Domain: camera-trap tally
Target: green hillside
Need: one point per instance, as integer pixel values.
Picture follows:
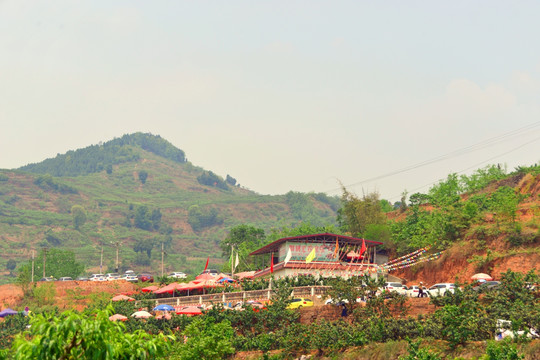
(136, 193)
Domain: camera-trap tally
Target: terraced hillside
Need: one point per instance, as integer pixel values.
(135, 196)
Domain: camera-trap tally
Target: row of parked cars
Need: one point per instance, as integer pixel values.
(129, 275)
(437, 289)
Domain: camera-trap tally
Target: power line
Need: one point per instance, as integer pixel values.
(471, 148)
(474, 166)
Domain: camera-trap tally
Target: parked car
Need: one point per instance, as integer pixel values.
(487, 286)
(97, 277)
(440, 289)
(413, 291)
(47, 278)
(112, 276)
(145, 277)
(177, 275)
(130, 278)
(396, 287)
(211, 271)
(82, 278)
(65, 278)
(299, 302)
(129, 272)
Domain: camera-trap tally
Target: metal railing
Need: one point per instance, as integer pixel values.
(234, 297)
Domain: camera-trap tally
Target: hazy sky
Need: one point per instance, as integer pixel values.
(281, 95)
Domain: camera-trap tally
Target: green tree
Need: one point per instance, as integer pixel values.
(76, 336)
(143, 218)
(143, 175)
(144, 245)
(207, 340)
(79, 216)
(358, 213)
(11, 265)
(109, 169)
(244, 239)
(58, 263)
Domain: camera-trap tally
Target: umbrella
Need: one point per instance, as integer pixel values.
(7, 312)
(141, 314)
(481, 276)
(116, 317)
(189, 310)
(164, 307)
(149, 288)
(122, 298)
(225, 279)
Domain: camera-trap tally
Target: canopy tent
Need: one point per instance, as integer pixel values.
(117, 317)
(149, 289)
(481, 276)
(167, 289)
(245, 275)
(8, 312)
(122, 298)
(206, 276)
(190, 311)
(164, 307)
(141, 315)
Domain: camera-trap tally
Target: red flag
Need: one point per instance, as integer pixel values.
(364, 248)
(206, 266)
(272, 264)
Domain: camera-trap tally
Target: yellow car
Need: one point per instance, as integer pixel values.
(299, 302)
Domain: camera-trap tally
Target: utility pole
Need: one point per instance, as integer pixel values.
(101, 261)
(32, 265)
(117, 249)
(232, 261)
(162, 259)
(44, 259)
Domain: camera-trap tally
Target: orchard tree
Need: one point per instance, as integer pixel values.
(71, 335)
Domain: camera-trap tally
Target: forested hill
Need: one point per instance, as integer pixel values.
(137, 192)
(96, 158)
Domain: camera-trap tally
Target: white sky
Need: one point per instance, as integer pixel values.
(281, 95)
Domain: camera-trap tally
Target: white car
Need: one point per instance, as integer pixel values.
(97, 277)
(177, 275)
(440, 289)
(413, 291)
(112, 276)
(396, 287)
(130, 278)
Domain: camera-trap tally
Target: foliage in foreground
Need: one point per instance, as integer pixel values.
(75, 336)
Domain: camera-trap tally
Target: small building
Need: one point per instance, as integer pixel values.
(332, 256)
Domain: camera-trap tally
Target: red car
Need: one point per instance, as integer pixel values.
(145, 278)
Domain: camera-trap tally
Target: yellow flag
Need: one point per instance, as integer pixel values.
(311, 256)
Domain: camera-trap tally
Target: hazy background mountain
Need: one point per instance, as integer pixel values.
(137, 192)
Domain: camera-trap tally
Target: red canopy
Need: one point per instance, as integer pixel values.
(122, 297)
(167, 289)
(150, 288)
(206, 276)
(245, 275)
(190, 311)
